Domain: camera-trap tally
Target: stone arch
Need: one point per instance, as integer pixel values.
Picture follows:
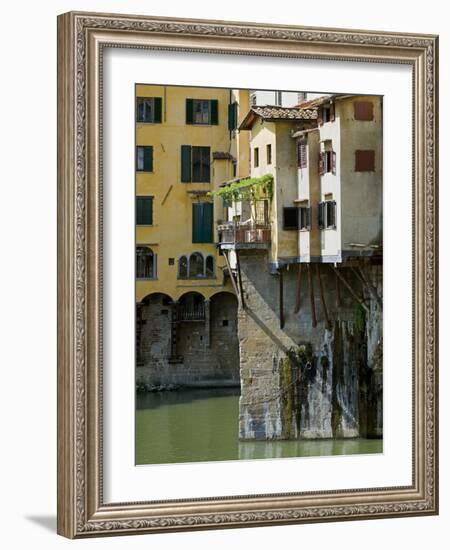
(224, 332)
(154, 315)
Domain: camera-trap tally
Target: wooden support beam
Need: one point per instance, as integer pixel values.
(233, 282)
(298, 297)
(372, 290)
(338, 291)
(350, 289)
(281, 297)
(241, 288)
(322, 298)
(311, 297)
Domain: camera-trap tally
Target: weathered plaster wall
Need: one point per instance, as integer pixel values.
(362, 196)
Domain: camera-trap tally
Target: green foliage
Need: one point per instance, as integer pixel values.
(249, 189)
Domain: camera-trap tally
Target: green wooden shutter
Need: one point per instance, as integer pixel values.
(158, 109)
(232, 116)
(214, 111)
(148, 158)
(189, 111)
(202, 222)
(144, 210)
(186, 163)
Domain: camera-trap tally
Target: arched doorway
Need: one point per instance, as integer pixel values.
(153, 332)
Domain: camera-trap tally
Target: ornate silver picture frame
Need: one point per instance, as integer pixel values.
(82, 509)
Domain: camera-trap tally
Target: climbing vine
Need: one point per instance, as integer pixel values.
(247, 190)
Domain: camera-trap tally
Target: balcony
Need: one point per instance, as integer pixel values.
(244, 235)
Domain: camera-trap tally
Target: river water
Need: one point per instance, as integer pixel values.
(202, 425)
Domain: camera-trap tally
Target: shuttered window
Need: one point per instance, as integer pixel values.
(232, 116)
(144, 210)
(365, 161)
(149, 109)
(202, 111)
(363, 110)
(327, 215)
(202, 222)
(144, 158)
(304, 218)
(301, 154)
(326, 114)
(195, 164)
(327, 162)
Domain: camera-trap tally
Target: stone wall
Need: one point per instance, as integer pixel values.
(206, 352)
(305, 381)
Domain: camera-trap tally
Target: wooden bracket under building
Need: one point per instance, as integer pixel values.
(281, 297)
(298, 290)
(322, 298)
(233, 280)
(311, 297)
(350, 289)
(241, 288)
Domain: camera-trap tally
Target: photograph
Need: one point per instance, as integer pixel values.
(258, 274)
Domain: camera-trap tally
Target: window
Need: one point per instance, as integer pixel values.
(327, 215)
(232, 116)
(304, 218)
(195, 164)
(269, 153)
(327, 162)
(290, 218)
(297, 218)
(365, 161)
(326, 114)
(301, 154)
(196, 266)
(209, 267)
(363, 110)
(183, 267)
(144, 210)
(202, 222)
(144, 158)
(148, 109)
(145, 263)
(256, 157)
(202, 111)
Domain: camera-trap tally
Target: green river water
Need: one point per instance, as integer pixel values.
(202, 425)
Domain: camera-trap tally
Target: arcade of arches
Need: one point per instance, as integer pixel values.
(189, 342)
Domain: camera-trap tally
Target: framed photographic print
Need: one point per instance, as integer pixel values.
(247, 274)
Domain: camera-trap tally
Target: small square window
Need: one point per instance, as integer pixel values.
(171, 261)
(225, 323)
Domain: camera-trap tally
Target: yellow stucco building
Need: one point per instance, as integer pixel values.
(187, 144)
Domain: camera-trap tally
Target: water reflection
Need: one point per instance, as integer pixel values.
(202, 425)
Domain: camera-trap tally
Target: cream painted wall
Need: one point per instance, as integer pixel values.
(330, 185)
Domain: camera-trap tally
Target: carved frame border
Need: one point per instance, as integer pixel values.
(81, 38)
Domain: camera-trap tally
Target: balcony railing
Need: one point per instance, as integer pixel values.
(191, 313)
(244, 233)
